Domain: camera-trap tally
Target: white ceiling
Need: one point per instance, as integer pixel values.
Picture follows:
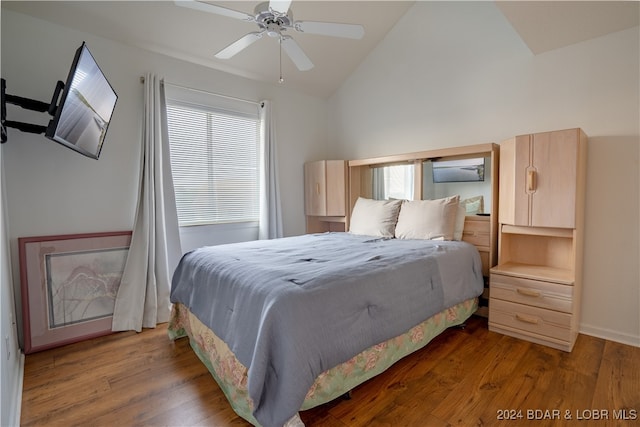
(548, 25)
(194, 36)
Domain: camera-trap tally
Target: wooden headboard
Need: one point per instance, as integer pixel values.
(481, 231)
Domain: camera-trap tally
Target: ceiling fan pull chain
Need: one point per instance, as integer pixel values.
(280, 44)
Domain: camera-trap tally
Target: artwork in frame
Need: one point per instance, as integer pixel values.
(69, 285)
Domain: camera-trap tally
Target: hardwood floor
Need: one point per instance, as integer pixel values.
(464, 377)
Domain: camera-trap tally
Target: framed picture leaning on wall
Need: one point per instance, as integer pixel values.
(69, 285)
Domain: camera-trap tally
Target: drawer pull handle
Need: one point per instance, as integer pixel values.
(526, 319)
(528, 292)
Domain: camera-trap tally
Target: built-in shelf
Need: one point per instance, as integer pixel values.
(538, 231)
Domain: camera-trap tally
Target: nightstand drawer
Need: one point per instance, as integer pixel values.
(532, 319)
(549, 295)
(477, 232)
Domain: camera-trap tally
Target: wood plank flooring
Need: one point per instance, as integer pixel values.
(467, 377)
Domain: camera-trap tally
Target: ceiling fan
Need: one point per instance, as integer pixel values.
(274, 18)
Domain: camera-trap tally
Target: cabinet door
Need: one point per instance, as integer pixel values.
(336, 187)
(315, 189)
(538, 179)
(514, 198)
(554, 160)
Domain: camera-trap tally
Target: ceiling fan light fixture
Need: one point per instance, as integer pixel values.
(274, 30)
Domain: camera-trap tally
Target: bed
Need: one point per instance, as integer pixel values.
(287, 324)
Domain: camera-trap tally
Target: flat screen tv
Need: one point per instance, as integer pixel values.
(465, 170)
(82, 117)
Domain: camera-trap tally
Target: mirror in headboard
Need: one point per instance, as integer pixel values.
(468, 177)
(392, 181)
(410, 176)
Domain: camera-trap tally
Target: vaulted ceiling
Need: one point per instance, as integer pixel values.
(191, 35)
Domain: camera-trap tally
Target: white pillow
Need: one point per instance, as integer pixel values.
(428, 219)
(374, 217)
(458, 229)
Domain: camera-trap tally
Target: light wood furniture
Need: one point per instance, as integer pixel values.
(481, 231)
(477, 231)
(130, 378)
(536, 286)
(325, 195)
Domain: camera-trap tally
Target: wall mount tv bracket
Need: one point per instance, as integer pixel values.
(27, 104)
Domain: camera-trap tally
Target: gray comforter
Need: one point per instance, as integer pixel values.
(292, 308)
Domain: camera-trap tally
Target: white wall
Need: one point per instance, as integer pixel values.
(11, 359)
(53, 190)
(456, 73)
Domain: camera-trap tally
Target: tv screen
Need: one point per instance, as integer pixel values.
(458, 170)
(88, 100)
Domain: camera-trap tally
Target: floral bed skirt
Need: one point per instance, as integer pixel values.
(231, 375)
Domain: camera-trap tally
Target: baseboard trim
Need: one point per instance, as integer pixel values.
(611, 335)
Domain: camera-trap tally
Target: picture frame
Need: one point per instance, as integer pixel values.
(68, 286)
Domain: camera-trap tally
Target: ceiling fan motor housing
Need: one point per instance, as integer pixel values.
(272, 21)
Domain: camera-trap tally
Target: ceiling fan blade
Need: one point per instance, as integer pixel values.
(299, 58)
(350, 31)
(280, 6)
(212, 8)
(239, 45)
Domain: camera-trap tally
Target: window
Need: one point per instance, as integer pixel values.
(215, 156)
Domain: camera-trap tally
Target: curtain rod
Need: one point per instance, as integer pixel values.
(207, 92)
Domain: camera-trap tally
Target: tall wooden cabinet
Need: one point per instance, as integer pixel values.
(538, 180)
(325, 195)
(536, 286)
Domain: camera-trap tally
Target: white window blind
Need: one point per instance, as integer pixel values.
(215, 163)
